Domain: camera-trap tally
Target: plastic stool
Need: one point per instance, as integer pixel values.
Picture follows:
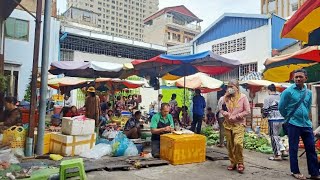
(70, 164)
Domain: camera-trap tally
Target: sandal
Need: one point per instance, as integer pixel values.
(298, 176)
(220, 145)
(285, 154)
(275, 158)
(240, 168)
(231, 167)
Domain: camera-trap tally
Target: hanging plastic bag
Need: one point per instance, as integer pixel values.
(131, 150)
(98, 151)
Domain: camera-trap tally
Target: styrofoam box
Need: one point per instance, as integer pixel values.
(256, 111)
(67, 145)
(71, 126)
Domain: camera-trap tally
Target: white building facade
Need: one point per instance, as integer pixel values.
(19, 43)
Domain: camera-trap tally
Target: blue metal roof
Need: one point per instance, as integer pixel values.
(277, 42)
(230, 24)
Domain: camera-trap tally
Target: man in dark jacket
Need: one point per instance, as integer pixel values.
(198, 111)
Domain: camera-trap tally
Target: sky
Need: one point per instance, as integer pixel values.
(207, 10)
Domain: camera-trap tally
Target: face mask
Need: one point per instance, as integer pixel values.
(231, 91)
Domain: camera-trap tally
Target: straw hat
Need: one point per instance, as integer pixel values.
(91, 89)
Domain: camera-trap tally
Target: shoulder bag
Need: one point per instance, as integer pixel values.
(285, 125)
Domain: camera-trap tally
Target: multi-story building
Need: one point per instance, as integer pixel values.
(171, 26)
(121, 18)
(80, 18)
(282, 8)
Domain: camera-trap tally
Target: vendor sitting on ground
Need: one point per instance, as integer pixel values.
(12, 114)
(132, 128)
(161, 123)
(72, 112)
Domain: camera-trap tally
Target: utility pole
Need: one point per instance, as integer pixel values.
(44, 76)
(33, 102)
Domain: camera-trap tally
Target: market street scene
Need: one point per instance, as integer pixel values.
(159, 89)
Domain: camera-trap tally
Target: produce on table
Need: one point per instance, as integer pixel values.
(251, 141)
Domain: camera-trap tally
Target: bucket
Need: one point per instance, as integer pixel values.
(139, 147)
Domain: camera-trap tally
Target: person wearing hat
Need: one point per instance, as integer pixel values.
(92, 105)
(235, 107)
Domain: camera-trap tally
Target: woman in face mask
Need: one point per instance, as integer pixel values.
(234, 109)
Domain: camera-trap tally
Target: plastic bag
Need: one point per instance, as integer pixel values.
(110, 134)
(216, 125)
(131, 150)
(98, 151)
(120, 144)
(8, 156)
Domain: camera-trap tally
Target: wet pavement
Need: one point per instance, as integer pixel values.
(257, 167)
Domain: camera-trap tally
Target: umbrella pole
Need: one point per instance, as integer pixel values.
(184, 90)
(184, 96)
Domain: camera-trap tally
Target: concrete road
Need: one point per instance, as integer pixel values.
(257, 167)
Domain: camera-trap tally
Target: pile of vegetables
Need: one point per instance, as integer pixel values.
(251, 140)
(212, 136)
(257, 143)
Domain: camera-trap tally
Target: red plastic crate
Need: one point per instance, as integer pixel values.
(25, 116)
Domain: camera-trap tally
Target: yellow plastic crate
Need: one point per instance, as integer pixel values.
(46, 141)
(183, 149)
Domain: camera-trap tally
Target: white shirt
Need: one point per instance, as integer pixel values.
(68, 103)
(157, 105)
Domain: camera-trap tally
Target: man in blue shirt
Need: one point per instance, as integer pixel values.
(198, 111)
(299, 124)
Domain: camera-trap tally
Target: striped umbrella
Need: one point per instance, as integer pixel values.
(280, 68)
(304, 22)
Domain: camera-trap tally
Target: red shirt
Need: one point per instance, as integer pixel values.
(71, 114)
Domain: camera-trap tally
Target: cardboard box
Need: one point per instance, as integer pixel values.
(72, 126)
(256, 112)
(67, 145)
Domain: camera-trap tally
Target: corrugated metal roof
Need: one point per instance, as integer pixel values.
(229, 24)
(278, 42)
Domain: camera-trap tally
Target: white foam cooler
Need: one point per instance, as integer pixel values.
(67, 145)
(77, 126)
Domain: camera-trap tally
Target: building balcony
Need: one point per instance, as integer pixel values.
(173, 41)
(182, 25)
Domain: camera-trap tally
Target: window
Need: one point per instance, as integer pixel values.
(230, 46)
(294, 6)
(67, 55)
(247, 68)
(17, 29)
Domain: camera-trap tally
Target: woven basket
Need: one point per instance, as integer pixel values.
(15, 136)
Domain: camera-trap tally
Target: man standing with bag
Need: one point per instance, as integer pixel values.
(295, 105)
